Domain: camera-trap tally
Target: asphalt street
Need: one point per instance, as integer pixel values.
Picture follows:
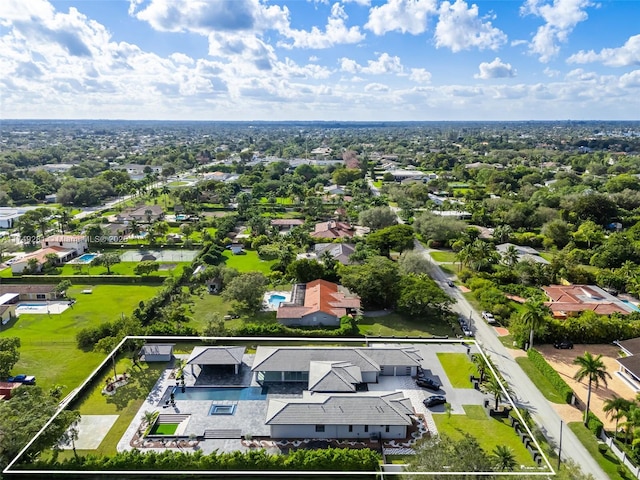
(526, 393)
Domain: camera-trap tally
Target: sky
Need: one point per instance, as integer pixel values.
(345, 60)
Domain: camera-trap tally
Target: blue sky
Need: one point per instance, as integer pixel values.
(320, 59)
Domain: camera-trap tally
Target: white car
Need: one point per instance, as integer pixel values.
(489, 317)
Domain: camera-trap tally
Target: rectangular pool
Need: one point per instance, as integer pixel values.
(219, 393)
(86, 258)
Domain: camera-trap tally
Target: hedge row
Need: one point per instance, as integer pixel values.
(328, 459)
(594, 424)
(348, 327)
(550, 374)
(85, 279)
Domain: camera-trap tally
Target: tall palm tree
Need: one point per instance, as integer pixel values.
(594, 370)
(533, 317)
(502, 233)
(496, 388)
(511, 256)
(480, 365)
(64, 217)
(616, 408)
(503, 458)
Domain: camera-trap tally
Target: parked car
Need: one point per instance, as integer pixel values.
(564, 345)
(23, 378)
(451, 284)
(434, 400)
(490, 319)
(426, 382)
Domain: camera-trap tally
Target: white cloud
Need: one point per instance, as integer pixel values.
(560, 18)
(383, 65)
(364, 3)
(460, 28)
(495, 69)
(313, 58)
(630, 80)
(625, 56)
(402, 16)
(420, 75)
(376, 87)
(181, 58)
(551, 73)
(335, 33)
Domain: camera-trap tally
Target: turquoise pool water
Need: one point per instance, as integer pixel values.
(633, 307)
(219, 393)
(276, 300)
(86, 258)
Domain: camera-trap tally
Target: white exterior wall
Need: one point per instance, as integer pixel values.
(337, 431)
(18, 267)
(80, 245)
(370, 377)
(313, 320)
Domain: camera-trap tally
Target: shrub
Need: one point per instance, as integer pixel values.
(547, 371)
(594, 424)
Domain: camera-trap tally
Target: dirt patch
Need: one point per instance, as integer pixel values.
(502, 332)
(562, 362)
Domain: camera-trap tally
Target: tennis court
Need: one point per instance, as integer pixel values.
(159, 255)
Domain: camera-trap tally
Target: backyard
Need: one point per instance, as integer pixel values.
(398, 325)
(48, 342)
(248, 261)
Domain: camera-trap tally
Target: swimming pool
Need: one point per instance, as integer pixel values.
(219, 393)
(275, 300)
(86, 258)
(633, 306)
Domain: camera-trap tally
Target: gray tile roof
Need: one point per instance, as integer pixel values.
(297, 359)
(216, 356)
(366, 408)
(333, 377)
(393, 355)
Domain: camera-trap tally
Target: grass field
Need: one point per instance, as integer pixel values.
(489, 432)
(458, 367)
(449, 268)
(48, 342)
(607, 461)
(540, 381)
(443, 256)
(247, 262)
(164, 429)
(124, 268)
(398, 325)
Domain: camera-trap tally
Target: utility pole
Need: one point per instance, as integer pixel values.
(560, 447)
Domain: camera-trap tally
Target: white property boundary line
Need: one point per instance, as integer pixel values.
(362, 340)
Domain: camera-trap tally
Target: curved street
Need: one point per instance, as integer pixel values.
(526, 393)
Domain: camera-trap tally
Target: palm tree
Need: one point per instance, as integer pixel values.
(511, 256)
(64, 217)
(616, 408)
(465, 255)
(503, 458)
(502, 233)
(480, 364)
(496, 388)
(533, 317)
(593, 369)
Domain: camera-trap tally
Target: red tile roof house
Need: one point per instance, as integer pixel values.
(569, 300)
(317, 304)
(333, 229)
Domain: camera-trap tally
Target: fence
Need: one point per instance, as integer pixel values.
(635, 469)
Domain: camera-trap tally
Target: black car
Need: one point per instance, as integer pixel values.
(434, 400)
(451, 284)
(564, 345)
(425, 382)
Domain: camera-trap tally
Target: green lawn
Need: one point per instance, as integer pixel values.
(398, 325)
(444, 256)
(125, 402)
(607, 461)
(164, 429)
(489, 432)
(48, 348)
(124, 268)
(449, 268)
(279, 200)
(540, 381)
(458, 368)
(247, 262)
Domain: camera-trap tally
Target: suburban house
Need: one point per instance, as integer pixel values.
(338, 251)
(63, 255)
(348, 365)
(567, 300)
(69, 242)
(364, 415)
(336, 402)
(143, 214)
(630, 364)
(333, 229)
(524, 253)
(318, 303)
(286, 224)
(7, 310)
(30, 292)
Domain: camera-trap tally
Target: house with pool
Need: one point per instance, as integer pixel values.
(317, 304)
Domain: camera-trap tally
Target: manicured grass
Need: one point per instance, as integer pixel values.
(489, 432)
(48, 342)
(398, 325)
(540, 381)
(279, 200)
(449, 268)
(125, 402)
(164, 429)
(607, 461)
(547, 256)
(458, 367)
(124, 268)
(247, 262)
(444, 256)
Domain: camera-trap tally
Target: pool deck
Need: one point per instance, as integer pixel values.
(269, 307)
(43, 308)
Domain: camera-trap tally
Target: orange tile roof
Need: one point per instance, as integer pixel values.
(320, 296)
(579, 298)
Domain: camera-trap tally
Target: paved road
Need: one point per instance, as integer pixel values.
(526, 392)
